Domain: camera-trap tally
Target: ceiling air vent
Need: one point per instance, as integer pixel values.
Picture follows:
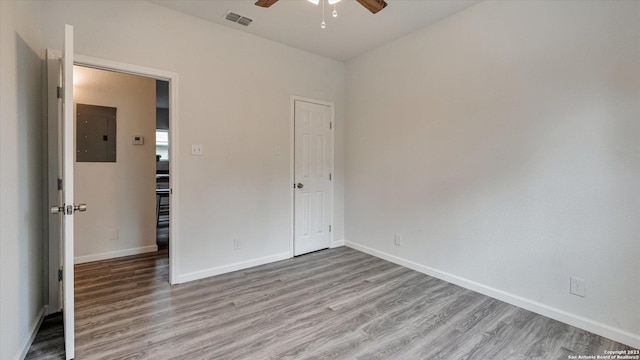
(244, 21)
(237, 18)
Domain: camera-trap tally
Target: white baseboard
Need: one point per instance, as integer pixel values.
(114, 254)
(35, 326)
(338, 243)
(595, 327)
(197, 275)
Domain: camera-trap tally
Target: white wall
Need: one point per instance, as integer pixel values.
(234, 99)
(21, 245)
(503, 144)
(120, 195)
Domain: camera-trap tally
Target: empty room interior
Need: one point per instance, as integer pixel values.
(297, 179)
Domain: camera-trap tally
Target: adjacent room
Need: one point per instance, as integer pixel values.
(163, 147)
(301, 179)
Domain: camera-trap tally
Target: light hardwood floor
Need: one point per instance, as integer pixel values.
(332, 304)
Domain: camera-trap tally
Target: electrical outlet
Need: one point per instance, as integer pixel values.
(114, 234)
(196, 149)
(397, 240)
(236, 244)
(577, 287)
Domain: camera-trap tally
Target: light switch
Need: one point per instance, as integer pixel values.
(196, 149)
(138, 140)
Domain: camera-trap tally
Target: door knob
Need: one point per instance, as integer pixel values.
(57, 209)
(60, 209)
(300, 185)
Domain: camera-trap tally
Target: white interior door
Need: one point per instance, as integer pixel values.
(313, 162)
(68, 207)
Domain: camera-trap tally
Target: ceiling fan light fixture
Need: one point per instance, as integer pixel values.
(372, 5)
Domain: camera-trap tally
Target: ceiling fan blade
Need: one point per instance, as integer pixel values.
(373, 5)
(266, 3)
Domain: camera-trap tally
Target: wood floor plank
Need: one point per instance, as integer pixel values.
(333, 304)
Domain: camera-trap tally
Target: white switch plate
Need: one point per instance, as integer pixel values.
(236, 244)
(577, 287)
(196, 149)
(114, 234)
(137, 140)
(397, 240)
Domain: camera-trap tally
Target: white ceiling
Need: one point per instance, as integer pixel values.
(297, 22)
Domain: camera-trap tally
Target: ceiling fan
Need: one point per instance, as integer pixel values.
(372, 5)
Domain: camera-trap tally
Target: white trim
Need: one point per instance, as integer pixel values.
(292, 175)
(595, 327)
(35, 326)
(172, 78)
(292, 169)
(197, 275)
(115, 254)
(104, 64)
(174, 268)
(337, 243)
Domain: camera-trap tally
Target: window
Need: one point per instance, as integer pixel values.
(162, 144)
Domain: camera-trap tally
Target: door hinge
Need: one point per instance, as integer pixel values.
(329, 176)
(330, 126)
(59, 184)
(59, 274)
(329, 228)
(59, 92)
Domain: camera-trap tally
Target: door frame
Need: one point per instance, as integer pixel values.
(292, 168)
(172, 78)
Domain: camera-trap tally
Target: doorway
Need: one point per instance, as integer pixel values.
(172, 80)
(163, 150)
(115, 167)
(312, 175)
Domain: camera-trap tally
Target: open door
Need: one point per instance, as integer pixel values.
(68, 207)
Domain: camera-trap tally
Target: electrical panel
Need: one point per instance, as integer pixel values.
(95, 133)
